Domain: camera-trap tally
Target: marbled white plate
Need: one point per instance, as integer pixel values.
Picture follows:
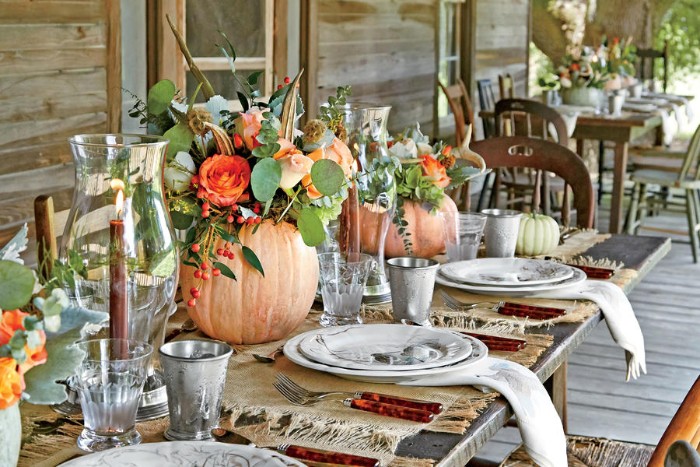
(505, 272)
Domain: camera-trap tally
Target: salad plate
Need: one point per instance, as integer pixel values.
(505, 291)
(292, 352)
(506, 272)
(387, 347)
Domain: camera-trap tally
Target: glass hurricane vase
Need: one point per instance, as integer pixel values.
(104, 166)
(376, 189)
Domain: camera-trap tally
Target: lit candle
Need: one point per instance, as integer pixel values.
(118, 305)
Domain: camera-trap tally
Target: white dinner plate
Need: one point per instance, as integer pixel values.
(384, 347)
(185, 453)
(578, 277)
(291, 351)
(505, 272)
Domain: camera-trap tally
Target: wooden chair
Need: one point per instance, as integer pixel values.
(506, 86)
(524, 117)
(597, 452)
(463, 112)
(486, 102)
(461, 107)
(47, 223)
(542, 155)
(687, 179)
(646, 66)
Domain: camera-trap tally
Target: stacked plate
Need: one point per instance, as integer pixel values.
(515, 277)
(384, 353)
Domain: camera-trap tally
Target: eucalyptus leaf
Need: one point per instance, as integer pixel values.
(327, 176)
(180, 137)
(311, 228)
(181, 221)
(15, 246)
(16, 285)
(160, 96)
(265, 179)
(252, 259)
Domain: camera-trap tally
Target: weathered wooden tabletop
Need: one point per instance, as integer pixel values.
(639, 253)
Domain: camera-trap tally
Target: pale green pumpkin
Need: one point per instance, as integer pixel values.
(538, 235)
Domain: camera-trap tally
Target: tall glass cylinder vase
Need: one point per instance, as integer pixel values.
(118, 179)
(376, 189)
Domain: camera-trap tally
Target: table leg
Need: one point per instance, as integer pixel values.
(618, 187)
(556, 387)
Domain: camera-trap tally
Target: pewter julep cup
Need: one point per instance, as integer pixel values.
(412, 281)
(501, 232)
(109, 381)
(195, 373)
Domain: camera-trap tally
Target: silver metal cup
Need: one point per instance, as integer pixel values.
(501, 232)
(195, 373)
(412, 281)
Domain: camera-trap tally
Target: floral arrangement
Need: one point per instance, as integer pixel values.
(585, 70)
(426, 172)
(37, 331)
(229, 170)
(622, 55)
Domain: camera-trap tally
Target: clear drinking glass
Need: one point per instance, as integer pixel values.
(463, 232)
(110, 380)
(195, 375)
(343, 280)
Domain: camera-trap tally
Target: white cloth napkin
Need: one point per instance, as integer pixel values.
(538, 421)
(619, 316)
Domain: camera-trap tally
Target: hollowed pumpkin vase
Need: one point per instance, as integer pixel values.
(254, 309)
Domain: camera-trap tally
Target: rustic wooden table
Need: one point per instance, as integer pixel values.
(638, 253)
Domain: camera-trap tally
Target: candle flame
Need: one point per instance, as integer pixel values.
(119, 204)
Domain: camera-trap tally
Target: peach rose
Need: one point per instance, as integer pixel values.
(433, 169)
(295, 165)
(11, 383)
(223, 179)
(248, 126)
(13, 321)
(337, 151)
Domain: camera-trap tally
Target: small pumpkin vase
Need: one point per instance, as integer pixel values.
(254, 309)
(426, 230)
(11, 435)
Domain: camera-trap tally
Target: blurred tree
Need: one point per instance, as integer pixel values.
(681, 27)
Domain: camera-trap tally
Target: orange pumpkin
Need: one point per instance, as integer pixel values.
(426, 231)
(255, 309)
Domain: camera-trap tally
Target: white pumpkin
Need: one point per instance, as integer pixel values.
(538, 235)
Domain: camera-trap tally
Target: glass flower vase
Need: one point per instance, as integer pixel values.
(376, 189)
(106, 165)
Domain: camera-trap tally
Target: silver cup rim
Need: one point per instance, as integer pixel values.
(227, 353)
(501, 212)
(431, 263)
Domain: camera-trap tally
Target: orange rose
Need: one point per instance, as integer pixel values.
(248, 126)
(223, 179)
(433, 169)
(11, 383)
(295, 165)
(13, 321)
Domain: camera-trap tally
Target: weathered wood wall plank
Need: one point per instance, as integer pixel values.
(59, 76)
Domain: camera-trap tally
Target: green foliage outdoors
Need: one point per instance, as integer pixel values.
(681, 27)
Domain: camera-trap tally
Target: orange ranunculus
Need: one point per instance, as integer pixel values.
(13, 321)
(223, 179)
(295, 165)
(433, 169)
(11, 383)
(248, 126)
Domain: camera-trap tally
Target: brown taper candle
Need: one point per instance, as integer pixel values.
(118, 304)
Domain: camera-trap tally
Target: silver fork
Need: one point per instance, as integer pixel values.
(302, 396)
(456, 304)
